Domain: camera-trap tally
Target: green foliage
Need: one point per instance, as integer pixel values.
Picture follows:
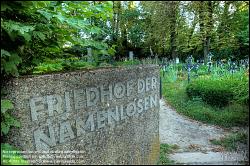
(166, 149)
(11, 156)
(15, 29)
(9, 61)
(60, 65)
(232, 115)
(32, 32)
(226, 29)
(128, 62)
(219, 92)
(232, 141)
(47, 68)
(7, 120)
(171, 74)
(6, 105)
(213, 92)
(203, 70)
(241, 91)
(71, 64)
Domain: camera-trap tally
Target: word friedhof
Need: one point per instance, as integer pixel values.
(55, 105)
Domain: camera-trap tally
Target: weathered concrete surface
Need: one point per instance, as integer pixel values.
(193, 137)
(180, 130)
(100, 116)
(208, 158)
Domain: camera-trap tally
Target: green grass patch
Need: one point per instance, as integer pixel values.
(232, 115)
(232, 141)
(166, 149)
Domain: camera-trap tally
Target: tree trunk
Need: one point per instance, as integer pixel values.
(205, 48)
(222, 29)
(118, 17)
(203, 29)
(209, 28)
(192, 31)
(173, 17)
(113, 22)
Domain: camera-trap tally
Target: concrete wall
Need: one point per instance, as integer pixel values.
(100, 116)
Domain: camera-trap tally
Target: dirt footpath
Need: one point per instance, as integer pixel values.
(193, 137)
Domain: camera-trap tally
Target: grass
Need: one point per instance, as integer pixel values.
(166, 149)
(232, 141)
(229, 116)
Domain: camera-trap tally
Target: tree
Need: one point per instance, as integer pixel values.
(35, 31)
(173, 11)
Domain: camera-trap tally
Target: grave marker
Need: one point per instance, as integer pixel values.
(131, 55)
(89, 54)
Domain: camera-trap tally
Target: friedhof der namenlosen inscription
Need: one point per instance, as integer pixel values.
(100, 116)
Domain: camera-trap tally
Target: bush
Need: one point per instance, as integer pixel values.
(128, 62)
(217, 92)
(241, 92)
(235, 114)
(56, 65)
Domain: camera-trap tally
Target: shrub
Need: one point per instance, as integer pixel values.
(128, 62)
(7, 120)
(241, 92)
(56, 65)
(217, 92)
(234, 114)
(9, 154)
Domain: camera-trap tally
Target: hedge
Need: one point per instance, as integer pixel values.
(219, 92)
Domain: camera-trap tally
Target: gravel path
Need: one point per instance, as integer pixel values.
(193, 137)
